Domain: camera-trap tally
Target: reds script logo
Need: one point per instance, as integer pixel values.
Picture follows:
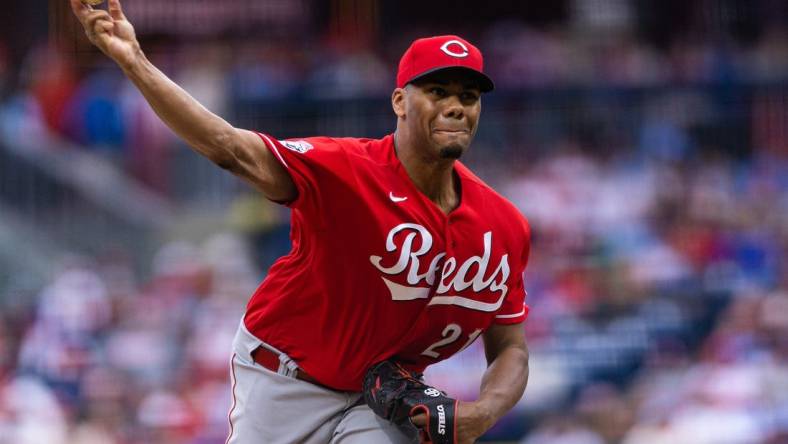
(451, 278)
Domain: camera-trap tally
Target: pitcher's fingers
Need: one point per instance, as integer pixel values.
(94, 16)
(115, 10)
(419, 420)
(102, 39)
(103, 26)
(81, 10)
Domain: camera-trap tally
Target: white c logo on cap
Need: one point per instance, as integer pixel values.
(445, 48)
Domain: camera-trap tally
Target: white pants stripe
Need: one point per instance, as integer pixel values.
(232, 390)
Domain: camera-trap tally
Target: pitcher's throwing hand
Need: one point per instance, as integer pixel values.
(109, 30)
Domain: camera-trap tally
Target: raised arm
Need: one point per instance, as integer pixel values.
(240, 151)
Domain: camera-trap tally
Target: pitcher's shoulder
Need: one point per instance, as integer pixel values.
(377, 150)
(494, 204)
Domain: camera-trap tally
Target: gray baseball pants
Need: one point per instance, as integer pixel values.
(274, 408)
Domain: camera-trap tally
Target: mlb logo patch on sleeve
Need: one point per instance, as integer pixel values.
(299, 146)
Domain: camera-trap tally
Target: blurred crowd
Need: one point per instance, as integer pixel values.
(658, 280)
(663, 287)
(101, 358)
(59, 93)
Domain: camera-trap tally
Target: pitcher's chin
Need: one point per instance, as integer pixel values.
(452, 151)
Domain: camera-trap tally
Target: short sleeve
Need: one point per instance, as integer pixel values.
(514, 309)
(315, 164)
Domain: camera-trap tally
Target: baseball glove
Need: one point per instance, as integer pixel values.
(396, 394)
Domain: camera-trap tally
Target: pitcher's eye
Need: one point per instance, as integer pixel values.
(469, 97)
(438, 91)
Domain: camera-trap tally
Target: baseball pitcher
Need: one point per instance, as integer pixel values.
(401, 257)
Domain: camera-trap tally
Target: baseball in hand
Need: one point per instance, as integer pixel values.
(92, 2)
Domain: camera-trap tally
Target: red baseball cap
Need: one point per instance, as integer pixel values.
(432, 54)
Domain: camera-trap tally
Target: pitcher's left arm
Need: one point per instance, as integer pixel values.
(502, 386)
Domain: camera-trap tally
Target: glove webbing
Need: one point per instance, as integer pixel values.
(396, 394)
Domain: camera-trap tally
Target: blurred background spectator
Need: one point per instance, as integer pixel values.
(647, 142)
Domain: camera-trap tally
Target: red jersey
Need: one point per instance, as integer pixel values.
(379, 271)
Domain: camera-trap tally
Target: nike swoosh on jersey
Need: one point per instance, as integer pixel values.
(396, 198)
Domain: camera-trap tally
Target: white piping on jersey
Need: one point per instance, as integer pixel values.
(509, 316)
(274, 148)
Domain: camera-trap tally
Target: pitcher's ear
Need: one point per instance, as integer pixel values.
(398, 101)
